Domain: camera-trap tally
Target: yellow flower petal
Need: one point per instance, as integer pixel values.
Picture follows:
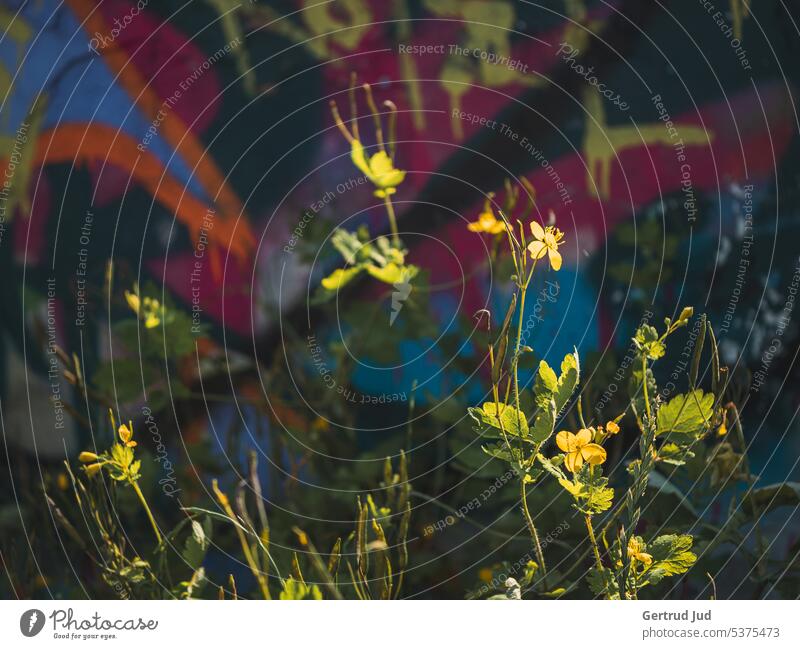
(555, 259)
(593, 453)
(537, 230)
(125, 433)
(537, 249)
(566, 441)
(612, 428)
(359, 159)
(550, 239)
(584, 436)
(133, 301)
(573, 461)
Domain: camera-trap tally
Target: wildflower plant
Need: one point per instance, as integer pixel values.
(121, 465)
(684, 445)
(384, 258)
(524, 437)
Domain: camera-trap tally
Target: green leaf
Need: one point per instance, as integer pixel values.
(647, 341)
(546, 381)
(350, 246)
(515, 422)
(671, 556)
(765, 499)
(591, 491)
(603, 583)
(595, 499)
(551, 394)
(568, 381)
(197, 543)
(502, 452)
(671, 453)
(686, 414)
(293, 590)
(543, 422)
(552, 466)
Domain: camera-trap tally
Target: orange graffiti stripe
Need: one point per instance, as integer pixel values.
(74, 143)
(175, 132)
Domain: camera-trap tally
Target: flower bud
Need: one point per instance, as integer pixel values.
(92, 469)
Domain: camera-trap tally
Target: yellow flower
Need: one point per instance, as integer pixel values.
(487, 221)
(152, 313)
(148, 308)
(547, 241)
(637, 553)
(722, 430)
(612, 428)
(133, 301)
(579, 449)
(62, 481)
(126, 434)
(379, 169)
(87, 456)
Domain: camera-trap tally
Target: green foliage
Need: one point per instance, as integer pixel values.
(381, 259)
(568, 381)
(295, 590)
(686, 415)
(590, 490)
(765, 499)
(602, 582)
(510, 421)
(197, 543)
(551, 394)
(649, 343)
(672, 556)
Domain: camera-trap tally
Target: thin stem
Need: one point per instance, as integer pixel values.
(375, 116)
(392, 220)
(537, 546)
(760, 543)
(146, 509)
(593, 540)
(248, 555)
(644, 388)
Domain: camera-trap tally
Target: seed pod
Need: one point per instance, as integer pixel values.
(698, 351)
(502, 341)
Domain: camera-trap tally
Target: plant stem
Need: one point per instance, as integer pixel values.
(751, 481)
(644, 388)
(594, 542)
(537, 546)
(146, 509)
(248, 555)
(392, 220)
